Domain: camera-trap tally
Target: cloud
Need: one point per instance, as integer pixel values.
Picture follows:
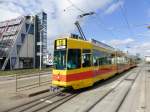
(144, 34)
(114, 7)
(60, 21)
(6, 15)
(125, 42)
(148, 51)
(142, 48)
(132, 46)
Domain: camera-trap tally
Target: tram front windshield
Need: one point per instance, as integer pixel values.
(73, 59)
(60, 59)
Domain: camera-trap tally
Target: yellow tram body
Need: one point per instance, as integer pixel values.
(88, 67)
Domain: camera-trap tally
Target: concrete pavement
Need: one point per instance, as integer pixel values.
(10, 98)
(120, 93)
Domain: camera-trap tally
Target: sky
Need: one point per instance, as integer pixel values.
(119, 23)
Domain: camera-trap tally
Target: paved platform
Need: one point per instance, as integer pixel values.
(10, 98)
(131, 95)
(126, 92)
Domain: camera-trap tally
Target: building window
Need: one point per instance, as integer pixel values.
(18, 48)
(31, 30)
(22, 37)
(38, 48)
(74, 59)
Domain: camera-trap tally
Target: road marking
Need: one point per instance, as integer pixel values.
(41, 100)
(48, 101)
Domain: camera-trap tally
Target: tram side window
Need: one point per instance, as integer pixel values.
(109, 59)
(101, 58)
(95, 61)
(86, 58)
(113, 59)
(74, 59)
(104, 60)
(96, 55)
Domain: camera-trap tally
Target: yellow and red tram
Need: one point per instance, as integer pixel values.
(79, 63)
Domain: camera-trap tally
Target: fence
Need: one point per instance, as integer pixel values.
(24, 82)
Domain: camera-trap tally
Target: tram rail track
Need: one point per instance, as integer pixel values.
(133, 81)
(89, 109)
(31, 102)
(53, 100)
(55, 104)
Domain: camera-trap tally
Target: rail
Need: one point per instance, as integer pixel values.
(24, 82)
(47, 103)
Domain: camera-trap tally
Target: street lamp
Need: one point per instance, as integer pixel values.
(41, 29)
(1, 58)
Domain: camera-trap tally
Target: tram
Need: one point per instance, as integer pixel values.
(80, 63)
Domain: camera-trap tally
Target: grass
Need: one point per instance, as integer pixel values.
(24, 71)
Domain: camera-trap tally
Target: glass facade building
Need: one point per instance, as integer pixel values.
(23, 42)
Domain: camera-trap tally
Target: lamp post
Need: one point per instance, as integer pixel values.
(41, 29)
(1, 58)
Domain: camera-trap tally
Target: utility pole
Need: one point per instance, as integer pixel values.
(40, 51)
(41, 29)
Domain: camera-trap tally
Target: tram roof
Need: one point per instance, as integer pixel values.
(96, 43)
(101, 44)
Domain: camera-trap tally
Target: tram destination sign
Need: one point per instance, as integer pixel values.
(61, 44)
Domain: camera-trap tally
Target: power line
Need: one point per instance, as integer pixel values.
(76, 7)
(136, 25)
(100, 23)
(125, 18)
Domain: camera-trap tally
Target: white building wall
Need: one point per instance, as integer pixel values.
(27, 47)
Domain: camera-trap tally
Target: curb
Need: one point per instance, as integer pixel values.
(38, 92)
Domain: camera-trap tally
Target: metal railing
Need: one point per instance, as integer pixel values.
(24, 82)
